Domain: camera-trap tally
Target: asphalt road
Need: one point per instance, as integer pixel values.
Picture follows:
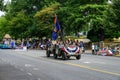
(34, 65)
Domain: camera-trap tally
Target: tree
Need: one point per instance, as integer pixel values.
(19, 25)
(112, 27)
(20, 15)
(1, 5)
(29, 8)
(45, 19)
(76, 15)
(3, 27)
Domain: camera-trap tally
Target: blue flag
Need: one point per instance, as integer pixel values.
(56, 29)
(54, 35)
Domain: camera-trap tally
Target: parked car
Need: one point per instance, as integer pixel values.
(4, 46)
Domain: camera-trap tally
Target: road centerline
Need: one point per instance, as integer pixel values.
(80, 66)
(86, 67)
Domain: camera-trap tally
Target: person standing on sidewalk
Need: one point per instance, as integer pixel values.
(96, 49)
(81, 45)
(27, 44)
(93, 48)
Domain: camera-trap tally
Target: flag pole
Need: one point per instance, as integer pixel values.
(62, 34)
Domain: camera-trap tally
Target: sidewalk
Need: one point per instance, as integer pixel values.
(117, 55)
(90, 52)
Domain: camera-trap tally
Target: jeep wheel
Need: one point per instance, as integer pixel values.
(78, 57)
(64, 56)
(55, 56)
(48, 53)
(68, 57)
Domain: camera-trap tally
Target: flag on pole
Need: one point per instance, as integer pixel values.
(54, 35)
(56, 28)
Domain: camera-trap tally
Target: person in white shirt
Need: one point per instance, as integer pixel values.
(93, 49)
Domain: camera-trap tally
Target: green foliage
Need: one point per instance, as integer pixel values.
(20, 16)
(34, 18)
(75, 18)
(112, 20)
(19, 25)
(3, 25)
(1, 5)
(96, 35)
(44, 19)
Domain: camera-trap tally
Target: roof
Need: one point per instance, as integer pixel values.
(84, 40)
(7, 36)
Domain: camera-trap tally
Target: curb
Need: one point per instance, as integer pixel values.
(117, 55)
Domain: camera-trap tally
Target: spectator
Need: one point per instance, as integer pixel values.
(27, 44)
(93, 48)
(12, 43)
(96, 49)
